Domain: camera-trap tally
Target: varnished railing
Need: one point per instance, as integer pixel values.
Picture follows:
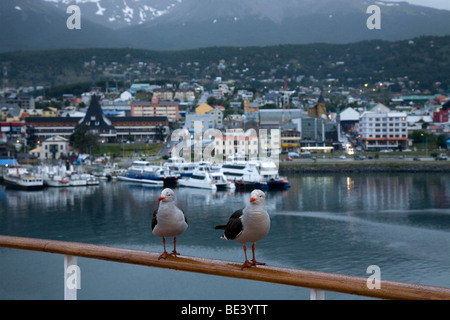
(316, 281)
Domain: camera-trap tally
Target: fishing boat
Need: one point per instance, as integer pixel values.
(56, 181)
(92, 180)
(21, 179)
(77, 180)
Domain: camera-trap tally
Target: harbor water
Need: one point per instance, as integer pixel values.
(339, 223)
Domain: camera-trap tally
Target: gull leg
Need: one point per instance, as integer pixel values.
(254, 262)
(174, 252)
(247, 263)
(165, 254)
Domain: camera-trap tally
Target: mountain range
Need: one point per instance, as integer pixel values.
(185, 24)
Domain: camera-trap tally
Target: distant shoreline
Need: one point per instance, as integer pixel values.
(368, 166)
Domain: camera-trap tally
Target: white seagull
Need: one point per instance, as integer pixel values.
(168, 221)
(250, 224)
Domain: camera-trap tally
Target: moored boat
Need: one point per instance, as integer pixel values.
(23, 180)
(244, 174)
(53, 180)
(155, 183)
(200, 179)
(269, 174)
(77, 180)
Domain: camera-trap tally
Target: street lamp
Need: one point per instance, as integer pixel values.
(424, 144)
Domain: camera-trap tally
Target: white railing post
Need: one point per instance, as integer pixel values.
(316, 294)
(71, 277)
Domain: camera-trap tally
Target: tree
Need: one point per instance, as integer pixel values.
(441, 141)
(83, 140)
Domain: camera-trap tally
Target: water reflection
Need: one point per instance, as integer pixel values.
(337, 223)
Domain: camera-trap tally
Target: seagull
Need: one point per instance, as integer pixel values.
(168, 221)
(249, 224)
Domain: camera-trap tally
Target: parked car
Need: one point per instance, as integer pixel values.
(289, 159)
(359, 157)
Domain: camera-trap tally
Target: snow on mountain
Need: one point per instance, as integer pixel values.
(120, 13)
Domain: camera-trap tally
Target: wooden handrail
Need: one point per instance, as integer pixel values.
(295, 277)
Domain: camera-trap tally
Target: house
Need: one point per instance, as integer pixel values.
(348, 119)
(155, 108)
(223, 88)
(251, 111)
(234, 121)
(4, 109)
(125, 96)
(245, 95)
(14, 114)
(415, 122)
(203, 108)
(24, 101)
(441, 116)
(163, 94)
(186, 95)
(217, 111)
(204, 121)
(49, 112)
(52, 148)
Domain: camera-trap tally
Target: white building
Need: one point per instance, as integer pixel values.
(52, 148)
(204, 121)
(381, 129)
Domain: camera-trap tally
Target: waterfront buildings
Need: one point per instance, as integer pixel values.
(381, 129)
(144, 128)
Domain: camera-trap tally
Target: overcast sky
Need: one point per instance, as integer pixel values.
(439, 4)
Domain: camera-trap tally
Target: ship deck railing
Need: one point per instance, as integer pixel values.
(318, 282)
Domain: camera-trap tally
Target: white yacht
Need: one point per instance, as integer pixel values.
(221, 181)
(244, 174)
(180, 167)
(268, 171)
(201, 178)
(146, 172)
